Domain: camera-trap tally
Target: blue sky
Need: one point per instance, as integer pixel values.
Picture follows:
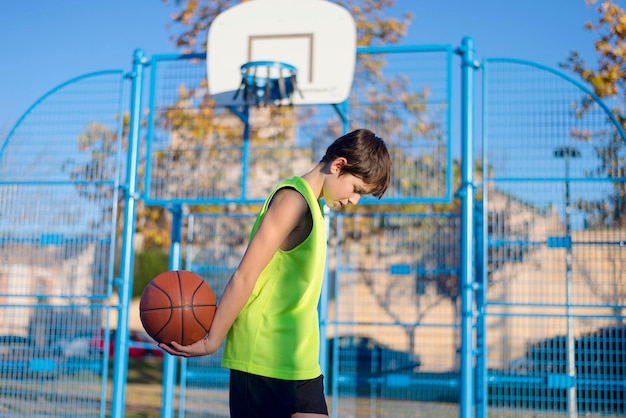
(45, 43)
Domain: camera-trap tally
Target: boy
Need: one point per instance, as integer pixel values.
(269, 306)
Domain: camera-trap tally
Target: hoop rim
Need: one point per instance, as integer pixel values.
(274, 64)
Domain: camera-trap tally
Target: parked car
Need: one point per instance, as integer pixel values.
(601, 353)
(21, 358)
(600, 368)
(141, 345)
(75, 347)
(9, 343)
(548, 355)
(365, 363)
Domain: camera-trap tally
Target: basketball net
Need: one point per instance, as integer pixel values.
(267, 83)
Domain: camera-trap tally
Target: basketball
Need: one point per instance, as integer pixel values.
(177, 306)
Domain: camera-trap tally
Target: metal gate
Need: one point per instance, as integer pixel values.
(59, 178)
(555, 252)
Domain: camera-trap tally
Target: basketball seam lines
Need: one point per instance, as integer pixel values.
(193, 305)
(170, 318)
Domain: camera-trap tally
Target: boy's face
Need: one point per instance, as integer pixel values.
(342, 189)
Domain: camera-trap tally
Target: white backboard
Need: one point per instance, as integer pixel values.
(316, 36)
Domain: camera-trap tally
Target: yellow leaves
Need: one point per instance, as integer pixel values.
(188, 12)
(614, 73)
(96, 136)
(182, 91)
(583, 135)
(607, 75)
(422, 128)
(380, 30)
(603, 46)
(601, 86)
(586, 74)
(154, 225)
(620, 27)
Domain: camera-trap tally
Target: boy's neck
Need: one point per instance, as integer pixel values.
(315, 178)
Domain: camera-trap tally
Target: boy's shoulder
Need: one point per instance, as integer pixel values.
(290, 197)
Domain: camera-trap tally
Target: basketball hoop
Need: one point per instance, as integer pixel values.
(267, 82)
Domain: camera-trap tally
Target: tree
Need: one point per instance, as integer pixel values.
(198, 129)
(101, 143)
(607, 78)
(374, 26)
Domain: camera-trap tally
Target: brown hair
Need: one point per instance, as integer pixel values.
(367, 156)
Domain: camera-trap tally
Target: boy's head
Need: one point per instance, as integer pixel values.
(367, 158)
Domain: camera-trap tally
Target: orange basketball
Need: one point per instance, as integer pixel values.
(177, 306)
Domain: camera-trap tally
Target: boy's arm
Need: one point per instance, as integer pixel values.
(283, 215)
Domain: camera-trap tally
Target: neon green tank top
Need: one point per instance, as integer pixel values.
(277, 332)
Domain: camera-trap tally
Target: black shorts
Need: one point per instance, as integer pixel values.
(253, 396)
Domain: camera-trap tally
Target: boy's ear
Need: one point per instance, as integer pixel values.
(337, 164)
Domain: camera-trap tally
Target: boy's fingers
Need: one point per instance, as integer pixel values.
(176, 346)
(168, 348)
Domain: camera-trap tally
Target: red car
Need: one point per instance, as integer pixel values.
(140, 346)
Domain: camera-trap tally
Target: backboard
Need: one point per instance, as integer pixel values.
(316, 37)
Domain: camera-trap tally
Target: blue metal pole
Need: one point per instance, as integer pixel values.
(169, 362)
(334, 384)
(245, 158)
(323, 307)
(342, 112)
(182, 396)
(480, 377)
(481, 267)
(120, 362)
(467, 222)
(244, 115)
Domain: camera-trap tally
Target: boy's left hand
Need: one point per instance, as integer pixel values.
(199, 348)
